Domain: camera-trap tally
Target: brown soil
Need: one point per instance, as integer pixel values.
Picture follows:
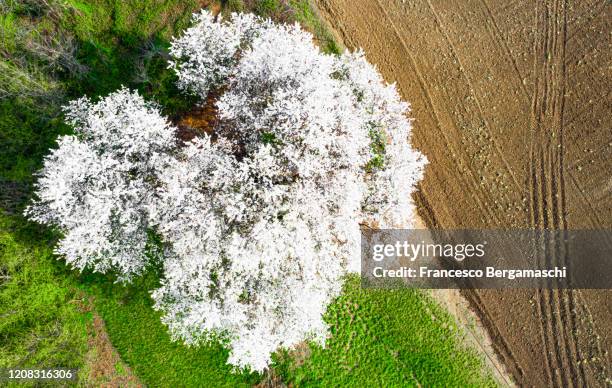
(103, 365)
(512, 106)
(201, 119)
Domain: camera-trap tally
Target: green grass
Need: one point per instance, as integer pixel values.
(378, 337)
(40, 321)
(288, 11)
(386, 337)
(143, 342)
(306, 16)
(120, 42)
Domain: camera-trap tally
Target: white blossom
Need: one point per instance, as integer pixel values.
(96, 186)
(206, 53)
(259, 242)
(260, 221)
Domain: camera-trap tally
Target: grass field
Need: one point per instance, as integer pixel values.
(40, 322)
(53, 51)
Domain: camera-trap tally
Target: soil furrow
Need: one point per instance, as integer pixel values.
(505, 45)
(466, 179)
(499, 342)
(453, 52)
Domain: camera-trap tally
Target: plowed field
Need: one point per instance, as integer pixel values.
(512, 107)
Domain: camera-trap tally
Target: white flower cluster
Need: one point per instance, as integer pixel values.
(204, 57)
(96, 186)
(261, 220)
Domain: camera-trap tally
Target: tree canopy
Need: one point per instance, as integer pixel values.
(259, 220)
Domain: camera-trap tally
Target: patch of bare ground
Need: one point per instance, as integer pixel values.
(512, 107)
(472, 332)
(103, 365)
(298, 355)
(199, 120)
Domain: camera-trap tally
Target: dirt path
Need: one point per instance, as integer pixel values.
(512, 106)
(103, 367)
